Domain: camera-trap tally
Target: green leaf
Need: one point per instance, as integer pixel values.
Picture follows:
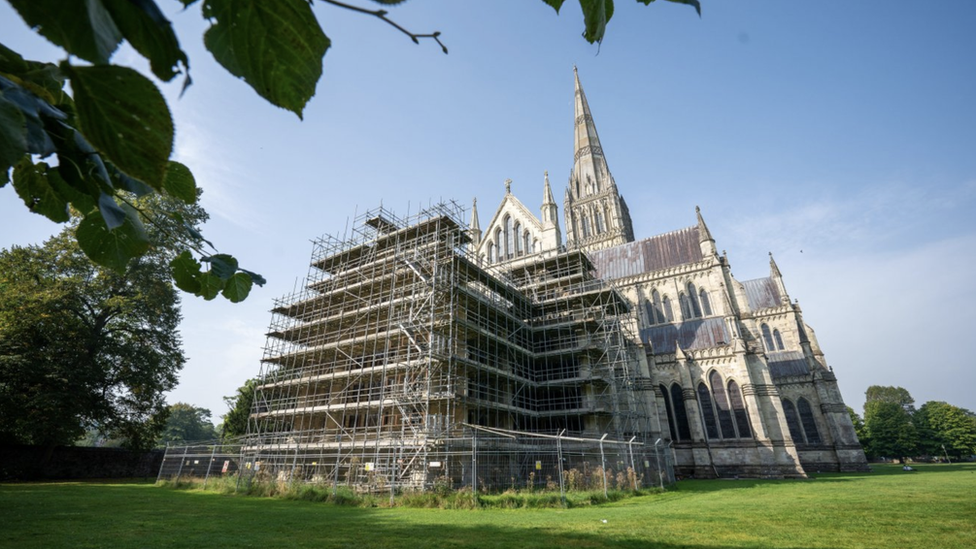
(186, 272)
(237, 288)
(112, 249)
(179, 183)
(222, 265)
(210, 285)
(31, 107)
(693, 3)
(255, 277)
(556, 4)
(276, 47)
(150, 33)
(83, 28)
(13, 137)
(596, 14)
(31, 183)
(112, 214)
(123, 114)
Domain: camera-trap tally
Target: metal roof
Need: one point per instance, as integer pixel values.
(700, 333)
(651, 254)
(787, 363)
(762, 293)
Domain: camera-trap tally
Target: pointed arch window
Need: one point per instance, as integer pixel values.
(767, 337)
(527, 243)
(584, 226)
(693, 302)
(491, 251)
(739, 410)
(599, 222)
(668, 313)
(498, 243)
(707, 411)
(778, 339)
(656, 307)
(535, 245)
(808, 422)
(680, 412)
(793, 422)
(667, 407)
(685, 309)
(725, 422)
(519, 250)
(706, 304)
(508, 237)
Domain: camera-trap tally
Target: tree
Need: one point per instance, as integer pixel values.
(894, 395)
(186, 423)
(83, 346)
(946, 429)
(858, 424)
(114, 137)
(235, 420)
(890, 430)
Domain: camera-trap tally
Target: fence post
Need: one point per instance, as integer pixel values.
(630, 447)
(207, 477)
(162, 464)
(603, 467)
(182, 461)
(657, 459)
(559, 457)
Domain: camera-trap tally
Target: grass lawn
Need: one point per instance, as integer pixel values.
(933, 507)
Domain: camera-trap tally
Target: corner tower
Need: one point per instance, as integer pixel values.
(596, 215)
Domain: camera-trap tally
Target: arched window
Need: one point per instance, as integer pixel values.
(793, 422)
(517, 238)
(808, 421)
(685, 309)
(767, 338)
(668, 313)
(680, 412)
(667, 407)
(527, 241)
(706, 305)
(491, 251)
(739, 410)
(535, 245)
(693, 302)
(584, 226)
(722, 405)
(707, 412)
(498, 243)
(778, 339)
(656, 307)
(599, 222)
(508, 237)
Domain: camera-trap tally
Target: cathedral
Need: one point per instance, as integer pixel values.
(740, 383)
(429, 350)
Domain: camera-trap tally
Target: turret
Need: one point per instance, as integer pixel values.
(551, 235)
(706, 241)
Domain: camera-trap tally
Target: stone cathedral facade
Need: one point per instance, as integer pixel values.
(734, 379)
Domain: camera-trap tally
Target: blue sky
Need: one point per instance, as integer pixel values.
(841, 136)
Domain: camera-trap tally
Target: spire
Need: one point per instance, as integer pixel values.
(475, 227)
(679, 355)
(705, 236)
(547, 192)
(586, 142)
(508, 186)
(773, 268)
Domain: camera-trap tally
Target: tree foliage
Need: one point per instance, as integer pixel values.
(893, 395)
(114, 137)
(946, 429)
(235, 420)
(890, 430)
(187, 423)
(87, 347)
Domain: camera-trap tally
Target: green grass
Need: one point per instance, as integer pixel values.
(933, 507)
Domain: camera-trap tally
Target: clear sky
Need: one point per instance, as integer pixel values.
(841, 136)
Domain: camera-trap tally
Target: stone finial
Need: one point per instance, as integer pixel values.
(508, 186)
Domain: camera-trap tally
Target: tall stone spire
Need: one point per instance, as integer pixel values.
(777, 278)
(474, 228)
(705, 236)
(596, 215)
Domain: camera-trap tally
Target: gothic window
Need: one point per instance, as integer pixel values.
(706, 305)
(808, 421)
(498, 244)
(692, 302)
(778, 339)
(508, 237)
(683, 304)
(584, 226)
(491, 251)
(535, 245)
(527, 243)
(793, 422)
(656, 308)
(668, 313)
(599, 222)
(667, 407)
(707, 411)
(517, 238)
(767, 338)
(722, 405)
(739, 410)
(680, 412)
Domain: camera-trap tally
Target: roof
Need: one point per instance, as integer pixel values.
(762, 293)
(700, 333)
(651, 254)
(787, 363)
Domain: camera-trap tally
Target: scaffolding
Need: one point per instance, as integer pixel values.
(404, 362)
